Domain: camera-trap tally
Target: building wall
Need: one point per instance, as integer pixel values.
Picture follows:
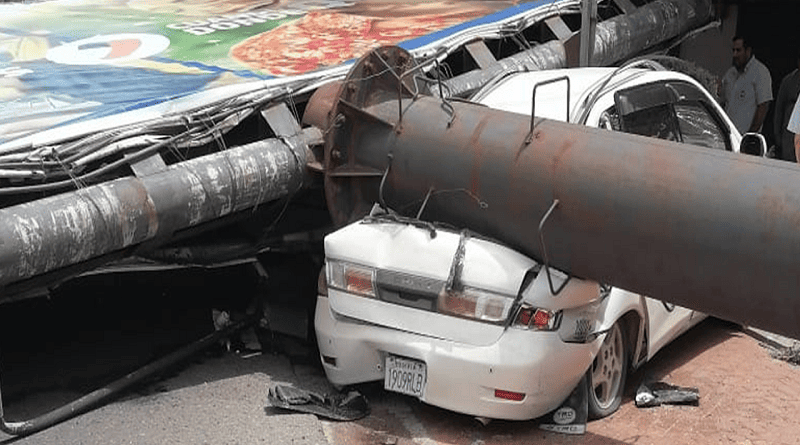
(771, 26)
(711, 48)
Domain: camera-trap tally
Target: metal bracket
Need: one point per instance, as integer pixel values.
(400, 87)
(148, 166)
(529, 138)
(559, 28)
(481, 54)
(383, 181)
(446, 106)
(544, 251)
(285, 126)
(424, 202)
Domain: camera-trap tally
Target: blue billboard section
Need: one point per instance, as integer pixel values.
(117, 88)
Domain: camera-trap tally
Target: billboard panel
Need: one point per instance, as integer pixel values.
(76, 60)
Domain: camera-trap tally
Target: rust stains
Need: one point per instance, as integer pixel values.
(477, 149)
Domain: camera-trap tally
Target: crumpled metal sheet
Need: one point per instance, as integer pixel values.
(660, 393)
(350, 406)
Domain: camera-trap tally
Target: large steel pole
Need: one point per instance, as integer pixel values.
(710, 230)
(66, 229)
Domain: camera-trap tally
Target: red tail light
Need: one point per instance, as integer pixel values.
(530, 317)
(358, 282)
(352, 278)
(525, 315)
(541, 319)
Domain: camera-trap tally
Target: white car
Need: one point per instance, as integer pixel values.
(641, 98)
(467, 324)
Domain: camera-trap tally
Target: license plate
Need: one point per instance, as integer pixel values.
(405, 376)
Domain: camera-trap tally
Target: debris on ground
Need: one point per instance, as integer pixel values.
(660, 393)
(244, 343)
(789, 354)
(350, 406)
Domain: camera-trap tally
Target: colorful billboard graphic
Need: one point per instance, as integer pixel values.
(74, 60)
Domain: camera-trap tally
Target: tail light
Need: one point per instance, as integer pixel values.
(533, 318)
(476, 304)
(351, 278)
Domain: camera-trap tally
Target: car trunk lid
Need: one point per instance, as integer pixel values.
(414, 264)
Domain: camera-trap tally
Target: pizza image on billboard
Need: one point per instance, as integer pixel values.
(324, 38)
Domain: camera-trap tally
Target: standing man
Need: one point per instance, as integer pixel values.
(746, 88)
(794, 127)
(784, 104)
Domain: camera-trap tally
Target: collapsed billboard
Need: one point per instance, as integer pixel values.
(68, 61)
(97, 94)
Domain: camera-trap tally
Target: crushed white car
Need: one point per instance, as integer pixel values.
(641, 98)
(467, 324)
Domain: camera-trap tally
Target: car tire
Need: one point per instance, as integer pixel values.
(608, 373)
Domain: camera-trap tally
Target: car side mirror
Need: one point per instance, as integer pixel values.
(753, 144)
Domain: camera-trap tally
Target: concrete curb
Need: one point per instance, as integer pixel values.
(774, 340)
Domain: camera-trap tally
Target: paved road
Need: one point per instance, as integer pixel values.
(747, 397)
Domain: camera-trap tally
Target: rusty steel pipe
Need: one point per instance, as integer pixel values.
(714, 231)
(616, 39)
(652, 24)
(115, 388)
(69, 228)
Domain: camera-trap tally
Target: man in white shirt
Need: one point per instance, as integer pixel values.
(794, 127)
(784, 104)
(746, 88)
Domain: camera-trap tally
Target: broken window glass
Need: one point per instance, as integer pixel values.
(698, 127)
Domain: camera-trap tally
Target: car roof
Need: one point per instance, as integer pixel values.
(514, 92)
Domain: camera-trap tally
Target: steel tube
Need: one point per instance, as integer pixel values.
(106, 393)
(627, 35)
(616, 39)
(706, 229)
(69, 228)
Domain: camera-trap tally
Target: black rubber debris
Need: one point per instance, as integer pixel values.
(350, 406)
(789, 354)
(660, 393)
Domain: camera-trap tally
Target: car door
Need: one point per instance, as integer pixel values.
(665, 322)
(678, 111)
(674, 110)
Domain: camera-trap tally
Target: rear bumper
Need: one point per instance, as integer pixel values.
(460, 377)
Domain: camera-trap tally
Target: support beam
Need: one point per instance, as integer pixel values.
(558, 27)
(588, 29)
(481, 54)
